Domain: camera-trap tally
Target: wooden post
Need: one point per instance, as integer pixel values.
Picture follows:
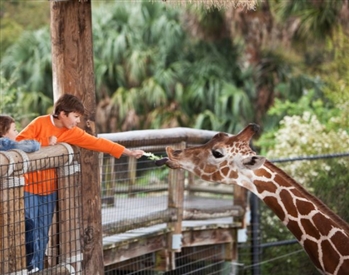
(73, 72)
(191, 179)
(132, 167)
(176, 201)
(12, 225)
(12, 228)
(240, 199)
(69, 197)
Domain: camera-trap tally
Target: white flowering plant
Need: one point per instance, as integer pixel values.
(305, 136)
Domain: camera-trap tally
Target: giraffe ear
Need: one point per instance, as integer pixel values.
(253, 162)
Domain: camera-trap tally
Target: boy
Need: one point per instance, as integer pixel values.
(41, 186)
(8, 134)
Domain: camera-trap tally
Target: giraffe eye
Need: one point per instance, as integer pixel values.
(217, 154)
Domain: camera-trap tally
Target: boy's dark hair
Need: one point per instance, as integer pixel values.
(68, 103)
(5, 124)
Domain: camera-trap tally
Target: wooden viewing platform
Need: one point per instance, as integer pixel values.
(129, 245)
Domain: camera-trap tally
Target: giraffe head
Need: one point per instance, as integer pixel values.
(222, 159)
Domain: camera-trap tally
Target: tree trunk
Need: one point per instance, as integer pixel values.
(257, 28)
(73, 72)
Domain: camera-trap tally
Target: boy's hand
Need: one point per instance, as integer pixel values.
(52, 140)
(133, 153)
(137, 153)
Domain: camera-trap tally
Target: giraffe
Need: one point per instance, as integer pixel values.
(229, 159)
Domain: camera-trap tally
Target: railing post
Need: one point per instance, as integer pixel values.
(69, 203)
(12, 225)
(175, 201)
(132, 169)
(240, 198)
(190, 178)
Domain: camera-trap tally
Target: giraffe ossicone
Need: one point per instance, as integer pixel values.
(229, 159)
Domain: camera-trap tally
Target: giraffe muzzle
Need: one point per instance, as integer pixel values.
(161, 162)
(169, 163)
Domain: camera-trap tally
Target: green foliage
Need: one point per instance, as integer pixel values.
(10, 31)
(156, 74)
(26, 73)
(132, 42)
(30, 15)
(327, 102)
(28, 62)
(18, 103)
(17, 16)
(208, 24)
(336, 76)
(7, 96)
(316, 18)
(27, 76)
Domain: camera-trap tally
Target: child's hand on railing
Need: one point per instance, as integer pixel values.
(52, 140)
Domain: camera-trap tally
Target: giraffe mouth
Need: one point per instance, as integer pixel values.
(161, 162)
(168, 161)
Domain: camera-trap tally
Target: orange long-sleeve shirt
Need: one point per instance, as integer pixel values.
(41, 129)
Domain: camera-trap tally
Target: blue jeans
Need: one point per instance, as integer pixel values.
(29, 240)
(39, 209)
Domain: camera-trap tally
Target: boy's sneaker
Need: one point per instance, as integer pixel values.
(35, 269)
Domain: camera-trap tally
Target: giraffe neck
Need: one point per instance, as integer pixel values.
(323, 234)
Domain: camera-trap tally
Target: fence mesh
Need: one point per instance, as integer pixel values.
(134, 193)
(40, 218)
